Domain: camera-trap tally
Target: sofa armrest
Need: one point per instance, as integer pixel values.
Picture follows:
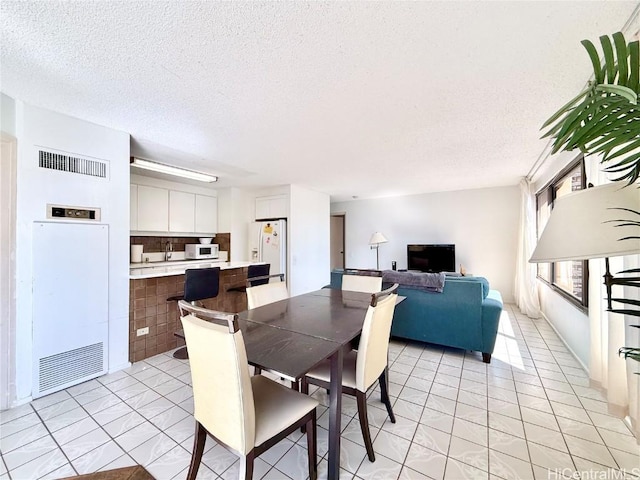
(491, 311)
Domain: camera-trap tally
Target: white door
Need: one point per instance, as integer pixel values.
(337, 241)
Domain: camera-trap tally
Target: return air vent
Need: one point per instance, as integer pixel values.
(67, 163)
(67, 367)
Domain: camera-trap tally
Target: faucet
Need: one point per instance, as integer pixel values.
(168, 248)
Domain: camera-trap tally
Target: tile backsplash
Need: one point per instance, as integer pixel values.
(156, 244)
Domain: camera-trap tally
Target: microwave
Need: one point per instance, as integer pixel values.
(199, 251)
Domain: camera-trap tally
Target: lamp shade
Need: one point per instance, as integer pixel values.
(586, 224)
(377, 238)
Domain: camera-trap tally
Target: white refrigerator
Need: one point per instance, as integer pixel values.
(269, 244)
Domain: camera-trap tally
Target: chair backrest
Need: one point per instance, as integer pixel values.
(260, 270)
(268, 293)
(374, 341)
(201, 283)
(222, 394)
(368, 281)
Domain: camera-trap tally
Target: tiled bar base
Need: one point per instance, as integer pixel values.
(148, 307)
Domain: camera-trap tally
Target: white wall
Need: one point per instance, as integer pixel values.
(481, 223)
(235, 207)
(308, 240)
(569, 321)
(36, 187)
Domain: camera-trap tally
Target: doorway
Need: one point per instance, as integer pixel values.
(337, 241)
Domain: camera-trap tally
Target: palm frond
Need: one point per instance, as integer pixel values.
(605, 117)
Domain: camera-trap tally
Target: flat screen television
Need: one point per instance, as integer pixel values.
(431, 258)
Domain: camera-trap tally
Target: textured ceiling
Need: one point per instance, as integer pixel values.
(349, 98)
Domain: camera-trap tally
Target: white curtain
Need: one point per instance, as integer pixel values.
(526, 290)
(610, 331)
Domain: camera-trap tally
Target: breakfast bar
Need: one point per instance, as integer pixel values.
(153, 320)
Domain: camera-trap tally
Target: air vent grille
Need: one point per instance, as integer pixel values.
(67, 163)
(66, 367)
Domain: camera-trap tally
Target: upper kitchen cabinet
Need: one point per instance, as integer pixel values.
(153, 209)
(206, 214)
(182, 207)
(161, 210)
(274, 206)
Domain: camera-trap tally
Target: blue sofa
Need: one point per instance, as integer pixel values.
(465, 315)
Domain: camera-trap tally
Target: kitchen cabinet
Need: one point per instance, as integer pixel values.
(156, 209)
(153, 209)
(274, 206)
(181, 211)
(133, 207)
(206, 215)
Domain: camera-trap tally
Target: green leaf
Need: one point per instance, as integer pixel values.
(608, 141)
(609, 60)
(621, 49)
(624, 311)
(628, 301)
(619, 90)
(605, 131)
(632, 270)
(634, 66)
(611, 128)
(630, 147)
(564, 109)
(598, 71)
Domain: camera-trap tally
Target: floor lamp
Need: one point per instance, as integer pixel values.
(598, 222)
(376, 239)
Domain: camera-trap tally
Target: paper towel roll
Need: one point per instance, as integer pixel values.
(136, 253)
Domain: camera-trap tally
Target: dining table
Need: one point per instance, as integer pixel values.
(294, 335)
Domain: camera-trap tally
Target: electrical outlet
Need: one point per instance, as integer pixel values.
(143, 331)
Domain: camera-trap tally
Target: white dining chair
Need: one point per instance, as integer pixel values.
(363, 367)
(259, 295)
(367, 281)
(247, 415)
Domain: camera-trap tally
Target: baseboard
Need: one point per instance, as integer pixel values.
(582, 365)
(119, 367)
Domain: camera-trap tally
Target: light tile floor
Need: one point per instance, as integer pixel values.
(529, 414)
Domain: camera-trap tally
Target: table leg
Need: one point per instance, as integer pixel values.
(335, 412)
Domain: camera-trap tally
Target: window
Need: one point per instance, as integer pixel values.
(569, 278)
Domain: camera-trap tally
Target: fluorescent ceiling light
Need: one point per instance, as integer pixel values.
(169, 170)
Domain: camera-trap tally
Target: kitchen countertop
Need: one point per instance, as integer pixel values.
(166, 269)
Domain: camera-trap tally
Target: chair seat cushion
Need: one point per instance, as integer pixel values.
(277, 407)
(323, 371)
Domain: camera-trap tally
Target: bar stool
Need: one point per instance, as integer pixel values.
(253, 271)
(199, 284)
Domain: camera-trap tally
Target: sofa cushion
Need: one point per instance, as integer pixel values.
(483, 281)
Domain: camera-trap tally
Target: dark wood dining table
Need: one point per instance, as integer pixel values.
(292, 336)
